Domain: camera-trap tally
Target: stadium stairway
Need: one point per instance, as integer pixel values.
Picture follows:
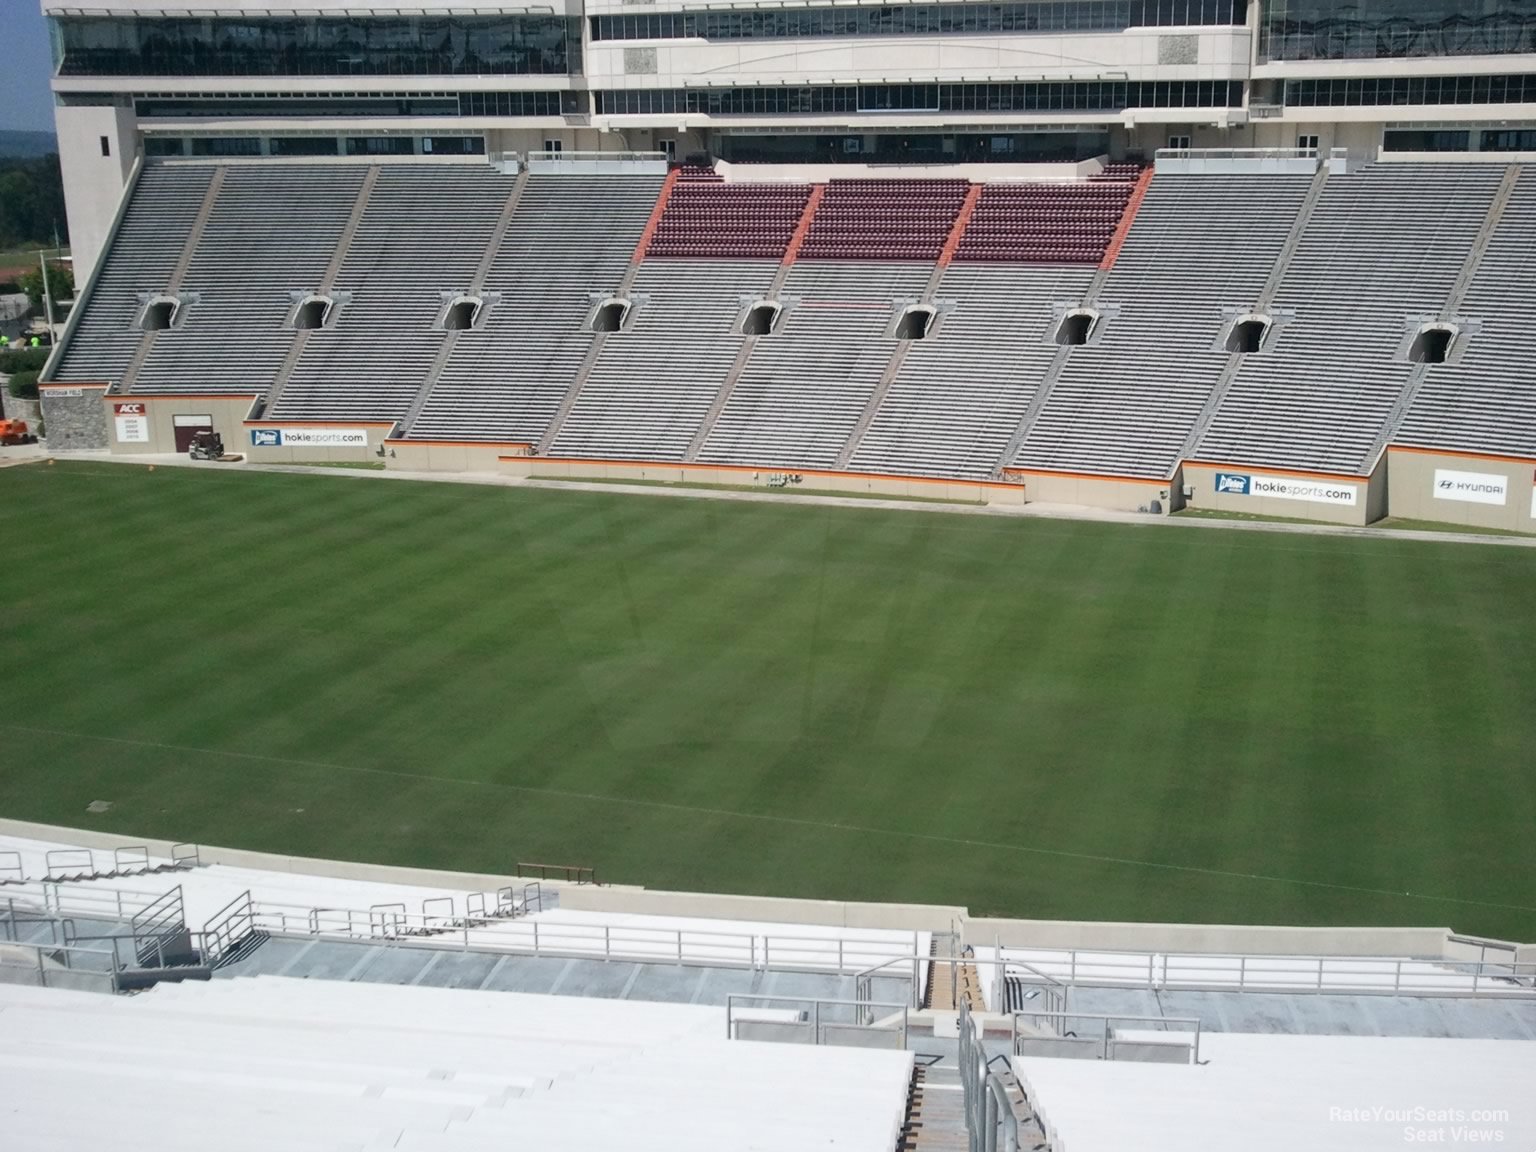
(1451, 310)
(327, 283)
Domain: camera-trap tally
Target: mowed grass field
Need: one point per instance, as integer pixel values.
(1031, 718)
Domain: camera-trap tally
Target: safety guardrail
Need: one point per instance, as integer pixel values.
(60, 966)
(1236, 972)
(1052, 1028)
(814, 1021)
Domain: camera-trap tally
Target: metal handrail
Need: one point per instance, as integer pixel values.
(1236, 153)
(566, 938)
(1243, 972)
(817, 1003)
(1107, 1039)
(65, 959)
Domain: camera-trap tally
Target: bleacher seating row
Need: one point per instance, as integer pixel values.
(1379, 248)
(308, 1065)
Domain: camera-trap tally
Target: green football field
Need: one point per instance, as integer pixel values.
(1031, 718)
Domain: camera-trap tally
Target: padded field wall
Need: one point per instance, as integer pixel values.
(1477, 491)
(1274, 492)
(722, 475)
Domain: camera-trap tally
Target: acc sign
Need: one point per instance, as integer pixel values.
(309, 437)
(132, 423)
(1471, 487)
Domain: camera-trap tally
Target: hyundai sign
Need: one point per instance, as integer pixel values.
(1471, 487)
(309, 437)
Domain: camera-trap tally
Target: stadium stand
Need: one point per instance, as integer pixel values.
(1124, 404)
(806, 386)
(961, 393)
(884, 219)
(709, 218)
(568, 246)
(371, 363)
(145, 251)
(1276, 1093)
(248, 264)
(1047, 223)
(1483, 401)
(642, 401)
(304, 1066)
(1384, 246)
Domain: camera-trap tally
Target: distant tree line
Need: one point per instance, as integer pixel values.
(31, 202)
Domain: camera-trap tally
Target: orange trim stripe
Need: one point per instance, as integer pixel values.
(1083, 476)
(1350, 476)
(319, 423)
(972, 197)
(1124, 228)
(67, 384)
(803, 228)
(1461, 455)
(656, 214)
(467, 443)
(761, 468)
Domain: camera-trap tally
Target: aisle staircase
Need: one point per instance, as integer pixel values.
(935, 1112)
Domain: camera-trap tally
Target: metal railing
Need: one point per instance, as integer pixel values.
(1106, 1041)
(392, 923)
(228, 929)
(159, 929)
(60, 966)
(1236, 154)
(1236, 972)
(815, 1024)
(988, 1111)
(569, 873)
(11, 871)
(614, 157)
(85, 900)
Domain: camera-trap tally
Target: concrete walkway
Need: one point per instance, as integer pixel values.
(1039, 511)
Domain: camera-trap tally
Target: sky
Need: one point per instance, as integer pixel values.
(25, 66)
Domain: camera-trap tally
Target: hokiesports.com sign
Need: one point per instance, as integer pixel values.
(1287, 488)
(309, 437)
(1471, 487)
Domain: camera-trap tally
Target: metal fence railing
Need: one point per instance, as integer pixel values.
(1095, 1034)
(989, 1117)
(60, 966)
(816, 1020)
(1237, 972)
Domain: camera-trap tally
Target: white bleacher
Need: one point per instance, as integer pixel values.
(248, 263)
(570, 237)
(806, 385)
(652, 385)
(422, 234)
(143, 255)
(961, 393)
(1487, 401)
(1269, 1093)
(1125, 405)
(271, 1063)
(1383, 245)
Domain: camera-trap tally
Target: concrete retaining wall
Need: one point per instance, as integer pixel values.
(1460, 488)
(981, 931)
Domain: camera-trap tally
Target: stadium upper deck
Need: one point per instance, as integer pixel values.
(1024, 82)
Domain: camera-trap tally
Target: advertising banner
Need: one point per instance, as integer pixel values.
(309, 437)
(1288, 488)
(1471, 487)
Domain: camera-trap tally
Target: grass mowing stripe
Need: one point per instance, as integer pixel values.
(1345, 713)
(692, 810)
